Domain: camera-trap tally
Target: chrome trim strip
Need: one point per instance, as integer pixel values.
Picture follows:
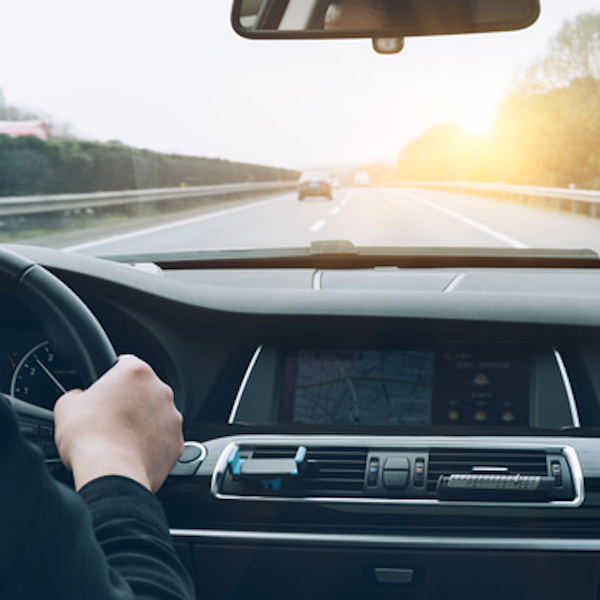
(317, 279)
(568, 389)
(414, 444)
(398, 542)
(243, 385)
(454, 283)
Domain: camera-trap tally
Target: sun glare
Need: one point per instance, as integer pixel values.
(477, 122)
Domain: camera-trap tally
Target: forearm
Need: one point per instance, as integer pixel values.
(50, 549)
(132, 530)
(46, 529)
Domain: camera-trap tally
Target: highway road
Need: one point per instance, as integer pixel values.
(374, 216)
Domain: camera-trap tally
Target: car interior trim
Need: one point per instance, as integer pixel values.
(454, 283)
(317, 279)
(391, 541)
(243, 384)
(568, 388)
(567, 451)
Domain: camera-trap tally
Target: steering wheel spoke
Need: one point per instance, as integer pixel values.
(36, 425)
(71, 328)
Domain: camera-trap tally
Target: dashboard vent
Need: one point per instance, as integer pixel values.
(326, 471)
(304, 470)
(466, 461)
(334, 472)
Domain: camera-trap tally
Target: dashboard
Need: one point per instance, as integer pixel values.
(378, 433)
(495, 385)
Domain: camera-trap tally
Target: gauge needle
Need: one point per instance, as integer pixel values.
(57, 383)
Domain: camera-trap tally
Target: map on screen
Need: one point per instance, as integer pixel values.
(368, 387)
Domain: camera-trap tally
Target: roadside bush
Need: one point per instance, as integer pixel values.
(29, 166)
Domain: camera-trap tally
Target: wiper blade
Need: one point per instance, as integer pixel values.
(343, 254)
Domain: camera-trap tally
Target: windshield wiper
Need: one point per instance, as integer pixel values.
(343, 254)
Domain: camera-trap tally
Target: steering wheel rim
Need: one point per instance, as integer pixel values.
(72, 328)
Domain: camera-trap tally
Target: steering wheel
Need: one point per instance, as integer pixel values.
(71, 327)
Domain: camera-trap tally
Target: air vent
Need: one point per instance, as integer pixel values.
(334, 472)
(501, 462)
(321, 471)
(329, 471)
(297, 469)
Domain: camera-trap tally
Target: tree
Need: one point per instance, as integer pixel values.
(547, 130)
(445, 152)
(573, 53)
(550, 138)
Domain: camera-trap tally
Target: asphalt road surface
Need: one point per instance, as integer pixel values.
(369, 216)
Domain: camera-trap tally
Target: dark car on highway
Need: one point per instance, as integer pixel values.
(315, 183)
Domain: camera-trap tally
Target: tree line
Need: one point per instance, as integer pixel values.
(546, 131)
(30, 166)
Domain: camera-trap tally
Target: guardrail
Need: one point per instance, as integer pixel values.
(586, 202)
(19, 212)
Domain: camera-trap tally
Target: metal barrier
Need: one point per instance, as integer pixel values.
(586, 202)
(19, 212)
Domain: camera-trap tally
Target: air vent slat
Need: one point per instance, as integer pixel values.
(331, 471)
(510, 462)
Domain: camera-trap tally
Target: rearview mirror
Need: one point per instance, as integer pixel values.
(298, 19)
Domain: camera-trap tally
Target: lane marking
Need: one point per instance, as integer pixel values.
(349, 196)
(334, 211)
(484, 228)
(158, 228)
(316, 226)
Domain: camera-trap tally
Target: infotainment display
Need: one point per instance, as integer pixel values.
(404, 388)
(368, 387)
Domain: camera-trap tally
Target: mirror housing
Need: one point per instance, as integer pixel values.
(322, 19)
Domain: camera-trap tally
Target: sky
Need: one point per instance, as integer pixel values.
(173, 76)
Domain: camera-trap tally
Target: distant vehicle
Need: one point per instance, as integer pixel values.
(361, 178)
(315, 183)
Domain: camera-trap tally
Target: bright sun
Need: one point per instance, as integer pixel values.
(476, 121)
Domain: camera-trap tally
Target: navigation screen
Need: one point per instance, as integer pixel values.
(359, 387)
(487, 389)
(405, 388)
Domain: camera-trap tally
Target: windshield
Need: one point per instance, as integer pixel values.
(450, 143)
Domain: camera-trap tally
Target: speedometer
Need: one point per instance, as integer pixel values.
(41, 377)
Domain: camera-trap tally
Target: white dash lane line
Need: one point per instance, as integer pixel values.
(492, 232)
(334, 211)
(316, 226)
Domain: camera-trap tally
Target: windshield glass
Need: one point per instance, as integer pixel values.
(423, 148)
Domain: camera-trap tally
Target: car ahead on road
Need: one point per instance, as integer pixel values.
(396, 398)
(315, 183)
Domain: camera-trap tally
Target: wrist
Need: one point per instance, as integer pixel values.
(87, 467)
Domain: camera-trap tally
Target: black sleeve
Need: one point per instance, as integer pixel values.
(132, 530)
(49, 548)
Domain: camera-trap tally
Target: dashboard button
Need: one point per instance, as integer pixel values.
(373, 472)
(419, 477)
(395, 480)
(396, 463)
(191, 453)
